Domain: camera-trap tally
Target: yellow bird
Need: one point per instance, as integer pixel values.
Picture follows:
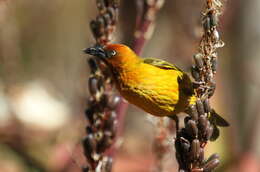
(154, 85)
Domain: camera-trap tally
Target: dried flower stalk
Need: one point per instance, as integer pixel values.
(201, 124)
(102, 120)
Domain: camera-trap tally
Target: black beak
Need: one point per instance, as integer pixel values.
(97, 51)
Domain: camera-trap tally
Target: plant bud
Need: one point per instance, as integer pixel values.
(206, 106)
(95, 84)
(193, 112)
(195, 73)
(89, 146)
(192, 129)
(195, 149)
(198, 58)
(211, 165)
(200, 107)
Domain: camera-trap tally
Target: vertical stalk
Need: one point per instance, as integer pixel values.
(100, 113)
(202, 123)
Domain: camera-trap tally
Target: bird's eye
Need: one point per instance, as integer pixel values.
(111, 53)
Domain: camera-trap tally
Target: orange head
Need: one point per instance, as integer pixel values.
(116, 55)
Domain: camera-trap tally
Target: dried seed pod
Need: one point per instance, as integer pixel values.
(89, 112)
(214, 64)
(201, 156)
(195, 149)
(85, 169)
(213, 19)
(107, 19)
(95, 84)
(107, 164)
(185, 144)
(101, 4)
(192, 128)
(209, 132)
(111, 121)
(89, 130)
(104, 143)
(206, 23)
(206, 105)
(215, 35)
(212, 89)
(212, 157)
(195, 73)
(193, 112)
(202, 122)
(98, 124)
(110, 3)
(112, 13)
(211, 165)
(89, 146)
(113, 102)
(103, 102)
(200, 107)
(198, 58)
(93, 65)
(95, 29)
(98, 135)
(101, 24)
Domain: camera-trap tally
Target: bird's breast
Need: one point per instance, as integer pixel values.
(153, 89)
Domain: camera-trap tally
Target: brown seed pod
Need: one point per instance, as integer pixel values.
(95, 84)
(112, 13)
(209, 132)
(200, 107)
(89, 146)
(195, 149)
(206, 23)
(201, 156)
(213, 19)
(90, 115)
(211, 165)
(214, 64)
(93, 65)
(104, 143)
(107, 164)
(101, 5)
(203, 122)
(94, 26)
(195, 73)
(192, 128)
(206, 105)
(185, 144)
(198, 58)
(212, 157)
(193, 112)
(107, 19)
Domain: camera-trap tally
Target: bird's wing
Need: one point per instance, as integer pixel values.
(161, 64)
(183, 78)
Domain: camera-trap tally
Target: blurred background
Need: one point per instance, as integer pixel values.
(43, 82)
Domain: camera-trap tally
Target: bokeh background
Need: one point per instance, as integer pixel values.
(43, 82)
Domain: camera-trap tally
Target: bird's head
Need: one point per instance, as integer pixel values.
(114, 54)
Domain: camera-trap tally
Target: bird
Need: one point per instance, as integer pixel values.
(154, 85)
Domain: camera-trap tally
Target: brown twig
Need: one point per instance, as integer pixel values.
(201, 124)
